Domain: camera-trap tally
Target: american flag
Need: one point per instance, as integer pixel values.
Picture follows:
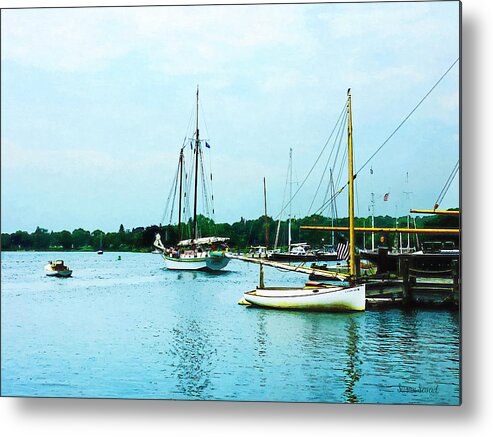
(386, 197)
(343, 251)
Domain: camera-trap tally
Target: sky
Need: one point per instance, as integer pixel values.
(95, 104)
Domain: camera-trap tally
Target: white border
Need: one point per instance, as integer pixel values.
(77, 417)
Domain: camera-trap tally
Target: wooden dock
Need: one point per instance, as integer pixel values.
(411, 288)
(329, 275)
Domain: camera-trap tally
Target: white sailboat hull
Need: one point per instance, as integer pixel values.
(210, 263)
(309, 299)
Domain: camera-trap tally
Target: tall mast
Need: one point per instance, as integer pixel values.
(197, 146)
(180, 164)
(333, 211)
(408, 193)
(266, 219)
(290, 195)
(372, 221)
(352, 265)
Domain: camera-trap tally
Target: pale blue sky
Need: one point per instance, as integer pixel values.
(96, 102)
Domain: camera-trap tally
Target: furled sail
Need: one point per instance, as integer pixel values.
(157, 242)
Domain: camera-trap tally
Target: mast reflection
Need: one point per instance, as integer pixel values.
(352, 369)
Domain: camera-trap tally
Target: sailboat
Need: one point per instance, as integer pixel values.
(316, 296)
(100, 251)
(298, 252)
(196, 253)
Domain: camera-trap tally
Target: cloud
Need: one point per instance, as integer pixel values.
(66, 163)
(173, 40)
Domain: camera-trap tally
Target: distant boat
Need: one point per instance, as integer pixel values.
(197, 253)
(301, 252)
(297, 252)
(100, 251)
(57, 268)
(316, 296)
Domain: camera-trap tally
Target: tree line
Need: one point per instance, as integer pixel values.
(243, 234)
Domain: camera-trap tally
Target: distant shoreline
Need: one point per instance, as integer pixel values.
(74, 250)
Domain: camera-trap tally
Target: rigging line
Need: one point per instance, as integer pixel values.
(205, 197)
(448, 183)
(341, 125)
(339, 147)
(173, 189)
(331, 199)
(282, 204)
(338, 178)
(394, 132)
(203, 118)
(188, 189)
(211, 187)
(316, 161)
(174, 199)
(406, 118)
(342, 167)
(336, 157)
(333, 203)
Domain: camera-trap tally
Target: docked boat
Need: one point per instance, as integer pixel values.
(312, 297)
(301, 252)
(198, 252)
(316, 296)
(433, 256)
(57, 268)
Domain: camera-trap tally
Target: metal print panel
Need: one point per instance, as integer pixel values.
(236, 202)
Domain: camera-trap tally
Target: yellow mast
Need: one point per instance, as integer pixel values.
(384, 230)
(352, 264)
(434, 211)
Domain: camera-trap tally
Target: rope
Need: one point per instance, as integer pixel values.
(339, 132)
(447, 184)
(407, 117)
(392, 134)
(316, 161)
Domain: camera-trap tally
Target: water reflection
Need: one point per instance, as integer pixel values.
(261, 348)
(194, 358)
(352, 369)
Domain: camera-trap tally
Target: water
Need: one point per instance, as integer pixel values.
(131, 329)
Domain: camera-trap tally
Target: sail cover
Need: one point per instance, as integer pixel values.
(204, 240)
(158, 243)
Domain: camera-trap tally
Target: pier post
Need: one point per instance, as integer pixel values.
(406, 285)
(261, 279)
(456, 281)
(357, 261)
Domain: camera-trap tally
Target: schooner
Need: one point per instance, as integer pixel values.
(198, 252)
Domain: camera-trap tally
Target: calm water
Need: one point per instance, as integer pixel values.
(132, 329)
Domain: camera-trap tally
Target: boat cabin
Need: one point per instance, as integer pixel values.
(58, 265)
(299, 249)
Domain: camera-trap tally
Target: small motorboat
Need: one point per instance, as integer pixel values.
(314, 296)
(57, 268)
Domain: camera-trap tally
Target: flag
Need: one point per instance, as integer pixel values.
(386, 197)
(207, 145)
(343, 251)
